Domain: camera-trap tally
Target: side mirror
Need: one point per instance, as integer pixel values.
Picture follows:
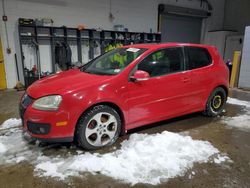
(140, 75)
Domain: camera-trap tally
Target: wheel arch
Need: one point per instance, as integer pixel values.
(207, 110)
(223, 87)
(219, 85)
(110, 104)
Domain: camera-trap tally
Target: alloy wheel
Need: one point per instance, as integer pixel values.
(101, 129)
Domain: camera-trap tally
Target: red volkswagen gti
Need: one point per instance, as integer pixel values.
(123, 89)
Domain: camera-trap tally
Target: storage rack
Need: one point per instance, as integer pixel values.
(66, 34)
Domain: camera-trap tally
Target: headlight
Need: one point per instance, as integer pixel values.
(47, 103)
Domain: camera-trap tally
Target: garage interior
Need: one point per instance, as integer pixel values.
(38, 38)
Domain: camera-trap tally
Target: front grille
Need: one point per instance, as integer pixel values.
(21, 111)
(26, 100)
(38, 128)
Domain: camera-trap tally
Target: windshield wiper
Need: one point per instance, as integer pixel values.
(104, 73)
(98, 73)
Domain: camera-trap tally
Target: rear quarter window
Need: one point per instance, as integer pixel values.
(197, 57)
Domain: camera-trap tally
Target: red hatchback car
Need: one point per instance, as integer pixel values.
(125, 88)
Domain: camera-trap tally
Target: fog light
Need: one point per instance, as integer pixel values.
(42, 130)
(61, 123)
(38, 128)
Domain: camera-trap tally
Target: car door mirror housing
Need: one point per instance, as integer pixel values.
(140, 75)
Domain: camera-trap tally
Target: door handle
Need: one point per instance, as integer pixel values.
(185, 79)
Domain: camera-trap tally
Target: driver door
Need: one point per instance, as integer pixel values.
(165, 93)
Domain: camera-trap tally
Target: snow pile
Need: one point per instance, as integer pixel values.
(2, 148)
(142, 159)
(13, 122)
(16, 148)
(241, 121)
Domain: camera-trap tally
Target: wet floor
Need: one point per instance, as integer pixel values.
(232, 141)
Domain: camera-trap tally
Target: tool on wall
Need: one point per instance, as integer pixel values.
(19, 86)
(63, 56)
(5, 19)
(111, 16)
(36, 69)
(33, 68)
(17, 71)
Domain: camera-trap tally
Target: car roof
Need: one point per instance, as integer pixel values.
(165, 45)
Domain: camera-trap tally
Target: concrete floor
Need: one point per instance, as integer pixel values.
(234, 142)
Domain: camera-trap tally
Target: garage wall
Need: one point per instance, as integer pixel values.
(139, 15)
(244, 80)
(237, 15)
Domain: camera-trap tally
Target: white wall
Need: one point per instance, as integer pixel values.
(244, 80)
(139, 15)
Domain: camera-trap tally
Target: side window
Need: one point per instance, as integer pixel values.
(197, 57)
(164, 61)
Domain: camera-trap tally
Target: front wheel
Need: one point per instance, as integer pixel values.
(99, 127)
(216, 102)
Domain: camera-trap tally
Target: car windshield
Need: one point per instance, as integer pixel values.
(113, 62)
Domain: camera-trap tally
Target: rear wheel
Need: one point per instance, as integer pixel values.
(216, 102)
(99, 127)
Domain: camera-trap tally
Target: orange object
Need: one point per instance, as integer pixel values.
(81, 27)
(62, 123)
(34, 69)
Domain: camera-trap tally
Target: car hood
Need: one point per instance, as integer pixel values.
(63, 82)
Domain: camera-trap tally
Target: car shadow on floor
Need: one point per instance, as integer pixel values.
(178, 124)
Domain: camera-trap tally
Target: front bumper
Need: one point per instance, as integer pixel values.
(30, 138)
(43, 125)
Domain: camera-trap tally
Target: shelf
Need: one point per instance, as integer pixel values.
(43, 27)
(54, 34)
(44, 37)
(23, 25)
(73, 37)
(91, 33)
(59, 37)
(85, 39)
(27, 36)
(95, 38)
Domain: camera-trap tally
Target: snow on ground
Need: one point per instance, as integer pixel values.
(238, 102)
(16, 149)
(142, 158)
(241, 121)
(222, 158)
(13, 122)
(2, 148)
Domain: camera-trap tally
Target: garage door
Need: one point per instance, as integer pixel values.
(181, 29)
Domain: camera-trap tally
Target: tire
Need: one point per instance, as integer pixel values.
(216, 102)
(98, 127)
